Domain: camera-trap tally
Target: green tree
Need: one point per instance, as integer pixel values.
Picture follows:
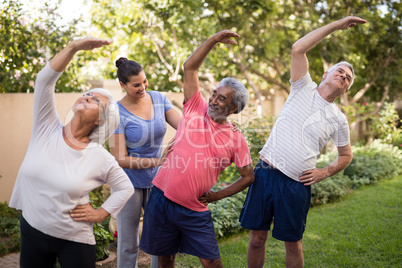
(162, 34)
(26, 45)
(153, 33)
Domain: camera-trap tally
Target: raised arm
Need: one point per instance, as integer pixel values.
(299, 64)
(63, 58)
(194, 62)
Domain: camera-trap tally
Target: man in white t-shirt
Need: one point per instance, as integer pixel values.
(286, 169)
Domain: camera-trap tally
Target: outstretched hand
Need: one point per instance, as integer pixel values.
(90, 43)
(349, 22)
(225, 37)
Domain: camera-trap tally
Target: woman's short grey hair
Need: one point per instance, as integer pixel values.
(241, 94)
(347, 64)
(111, 119)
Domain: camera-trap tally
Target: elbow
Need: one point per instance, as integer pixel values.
(131, 190)
(119, 159)
(350, 158)
(120, 163)
(297, 50)
(188, 66)
(185, 65)
(250, 180)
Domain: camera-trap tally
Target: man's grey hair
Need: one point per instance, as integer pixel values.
(347, 64)
(109, 119)
(241, 94)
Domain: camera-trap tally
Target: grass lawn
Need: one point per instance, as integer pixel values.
(364, 230)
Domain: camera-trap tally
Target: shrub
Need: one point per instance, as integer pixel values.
(103, 238)
(256, 133)
(9, 229)
(333, 188)
(386, 125)
(225, 213)
(330, 190)
(370, 164)
(374, 162)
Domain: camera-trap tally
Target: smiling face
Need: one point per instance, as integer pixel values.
(220, 104)
(136, 85)
(91, 107)
(339, 79)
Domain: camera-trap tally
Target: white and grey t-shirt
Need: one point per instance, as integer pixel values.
(303, 128)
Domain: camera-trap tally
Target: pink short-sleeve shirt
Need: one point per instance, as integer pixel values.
(202, 150)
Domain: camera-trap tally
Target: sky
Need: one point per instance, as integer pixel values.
(68, 9)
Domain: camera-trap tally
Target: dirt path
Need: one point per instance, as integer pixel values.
(144, 260)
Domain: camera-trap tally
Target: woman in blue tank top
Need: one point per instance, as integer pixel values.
(138, 149)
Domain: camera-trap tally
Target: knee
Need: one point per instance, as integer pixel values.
(217, 263)
(166, 261)
(294, 247)
(258, 238)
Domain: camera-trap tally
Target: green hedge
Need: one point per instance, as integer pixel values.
(374, 162)
(225, 213)
(9, 229)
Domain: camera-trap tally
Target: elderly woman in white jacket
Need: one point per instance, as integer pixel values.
(62, 165)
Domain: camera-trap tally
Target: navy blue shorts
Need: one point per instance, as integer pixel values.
(169, 228)
(275, 196)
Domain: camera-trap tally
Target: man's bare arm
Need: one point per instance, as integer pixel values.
(191, 83)
(299, 64)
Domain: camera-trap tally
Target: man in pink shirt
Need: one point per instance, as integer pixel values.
(176, 217)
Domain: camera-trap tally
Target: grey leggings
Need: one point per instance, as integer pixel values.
(128, 222)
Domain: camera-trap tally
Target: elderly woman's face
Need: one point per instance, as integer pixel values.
(91, 105)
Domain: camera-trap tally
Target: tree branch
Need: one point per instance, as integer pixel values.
(173, 77)
(368, 85)
(277, 66)
(379, 105)
(252, 84)
(270, 79)
(174, 72)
